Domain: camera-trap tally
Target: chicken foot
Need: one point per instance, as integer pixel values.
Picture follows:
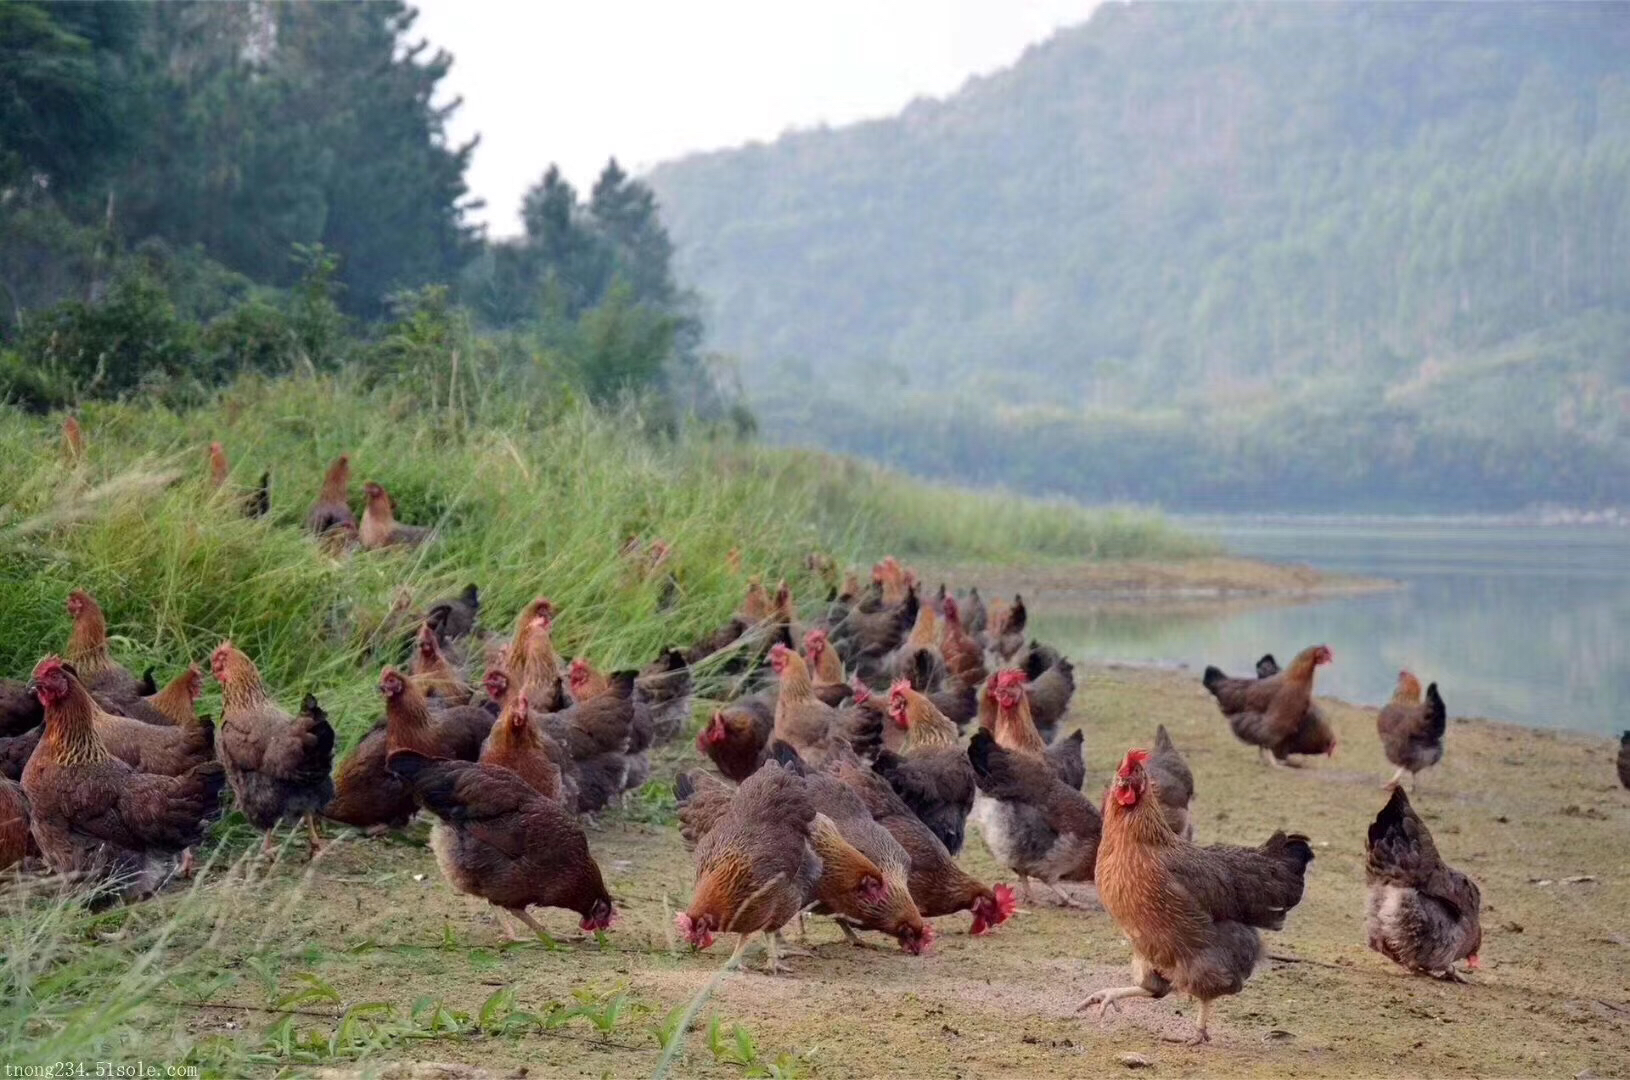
(538, 932)
(1108, 998)
(851, 937)
(789, 950)
(1201, 1035)
(1065, 898)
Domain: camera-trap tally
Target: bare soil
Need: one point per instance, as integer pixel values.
(1527, 813)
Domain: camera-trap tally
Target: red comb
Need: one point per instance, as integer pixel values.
(1134, 758)
(1010, 677)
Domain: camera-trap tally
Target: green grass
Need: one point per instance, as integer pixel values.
(525, 500)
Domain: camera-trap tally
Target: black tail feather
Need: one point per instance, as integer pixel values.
(1212, 678)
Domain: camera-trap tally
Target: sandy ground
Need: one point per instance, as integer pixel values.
(1522, 811)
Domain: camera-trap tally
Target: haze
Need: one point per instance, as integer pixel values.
(648, 81)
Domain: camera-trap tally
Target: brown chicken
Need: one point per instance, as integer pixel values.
(1006, 633)
(332, 510)
(882, 904)
(1412, 730)
(1034, 824)
(516, 744)
(19, 710)
(938, 885)
(95, 818)
(1049, 689)
(257, 503)
(1422, 914)
(1192, 913)
(497, 838)
(498, 690)
(757, 867)
(974, 615)
(931, 774)
(534, 665)
(380, 529)
(367, 794)
(802, 720)
(1005, 713)
(702, 800)
(600, 734)
(434, 674)
(177, 703)
(736, 737)
(964, 657)
(589, 686)
(1269, 713)
(826, 669)
(921, 651)
(73, 438)
(1173, 783)
(278, 764)
(16, 841)
(88, 650)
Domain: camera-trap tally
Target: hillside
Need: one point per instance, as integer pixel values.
(1287, 256)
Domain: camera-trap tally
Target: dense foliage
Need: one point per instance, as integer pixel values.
(1304, 255)
(190, 190)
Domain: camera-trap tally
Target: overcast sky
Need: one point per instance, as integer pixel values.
(576, 81)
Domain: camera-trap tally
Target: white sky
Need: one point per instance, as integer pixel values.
(576, 81)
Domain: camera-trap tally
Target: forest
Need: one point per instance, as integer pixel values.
(1334, 256)
(192, 191)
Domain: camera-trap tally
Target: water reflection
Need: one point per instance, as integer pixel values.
(1523, 624)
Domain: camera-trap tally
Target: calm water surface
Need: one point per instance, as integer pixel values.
(1518, 623)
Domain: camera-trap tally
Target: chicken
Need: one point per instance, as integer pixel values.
(1422, 914)
(931, 774)
(1267, 666)
(964, 658)
(959, 703)
(278, 764)
(534, 665)
(1624, 759)
(757, 867)
(938, 885)
(88, 650)
(864, 638)
(864, 723)
(1034, 824)
(516, 744)
(802, 720)
(380, 529)
(1050, 689)
(736, 737)
(19, 710)
(1192, 913)
(95, 818)
(497, 838)
(15, 751)
(589, 685)
(367, 794)
(1006, 635)
(1005, 712)
(600, 735)
(257, 503)
(177, 703)
(920, 651)
(1314, 735)
(974, 615)
(883, 903)
(521, 742)
(1173, 783)
(73, 438)
(16, 841)
(1411, 730)
(332, 510)
(666, 686)
(826, 669)
(454, 618)
(1268, 713)
(433, 673)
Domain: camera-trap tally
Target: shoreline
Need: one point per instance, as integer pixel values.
(1202, 579)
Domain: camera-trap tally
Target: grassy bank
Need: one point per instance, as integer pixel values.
(522, 502)
(525, 500)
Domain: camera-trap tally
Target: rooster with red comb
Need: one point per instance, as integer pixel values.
(1193, 914)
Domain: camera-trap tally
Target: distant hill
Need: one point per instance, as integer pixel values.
(1366, 256)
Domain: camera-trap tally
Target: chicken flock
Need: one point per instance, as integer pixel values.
(841, 782)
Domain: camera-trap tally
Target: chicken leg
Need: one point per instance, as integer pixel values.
(315, 836)
(540, 934)
(1396, 778)
(1201, 1035)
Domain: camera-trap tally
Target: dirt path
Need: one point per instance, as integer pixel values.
(1522, 811)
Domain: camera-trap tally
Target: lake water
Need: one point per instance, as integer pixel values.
(1526, 624)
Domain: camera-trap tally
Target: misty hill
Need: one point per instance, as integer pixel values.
(1290, 255)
